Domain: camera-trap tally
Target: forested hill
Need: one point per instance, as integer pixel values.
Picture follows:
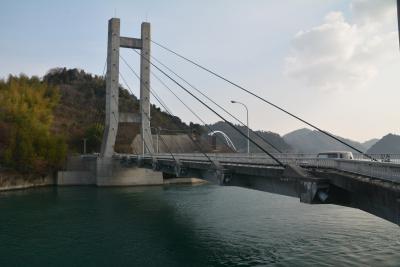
(80, 112)
(389, 144)
(241, 142)
(43, 120)
(309, 141)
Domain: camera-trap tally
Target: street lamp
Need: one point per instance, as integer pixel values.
(248, 129)
(84, 145)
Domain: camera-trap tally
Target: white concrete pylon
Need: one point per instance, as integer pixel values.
(115, 41)
(112, 84)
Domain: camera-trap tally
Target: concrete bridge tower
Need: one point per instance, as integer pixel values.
(112, 118)
(109, 171)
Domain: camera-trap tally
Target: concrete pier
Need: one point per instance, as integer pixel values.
(105, 171)
(90, 170)
(111, 172)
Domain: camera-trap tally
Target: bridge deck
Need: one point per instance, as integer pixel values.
(387, 167)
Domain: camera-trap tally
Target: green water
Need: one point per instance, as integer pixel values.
(186, 226)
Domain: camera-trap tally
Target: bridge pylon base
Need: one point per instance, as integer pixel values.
(110, 172)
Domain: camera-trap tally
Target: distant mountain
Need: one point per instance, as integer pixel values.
(389, 144)
(240, 141)
(368, 144)
(309, 141)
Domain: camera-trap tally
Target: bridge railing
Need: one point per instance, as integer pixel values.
(381, 169)
(222, 157)
(392, 158)
(375, 169)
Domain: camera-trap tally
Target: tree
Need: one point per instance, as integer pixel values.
(94, 136)
(27, 113)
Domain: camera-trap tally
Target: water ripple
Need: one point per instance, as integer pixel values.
(186, 226)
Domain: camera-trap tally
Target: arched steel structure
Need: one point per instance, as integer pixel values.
(226, 137)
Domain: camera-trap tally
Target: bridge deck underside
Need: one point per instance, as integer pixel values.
(314, 182)
(375, 196)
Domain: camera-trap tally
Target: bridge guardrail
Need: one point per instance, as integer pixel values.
(392, 158)
(381, 169)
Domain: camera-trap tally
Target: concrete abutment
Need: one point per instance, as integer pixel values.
(105, 171)
(92, 170)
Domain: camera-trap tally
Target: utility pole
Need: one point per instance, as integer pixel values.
(158, 136)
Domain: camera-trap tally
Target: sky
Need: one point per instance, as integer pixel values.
(335, 63)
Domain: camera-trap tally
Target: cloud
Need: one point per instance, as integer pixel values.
(342, 55)
(373, 11)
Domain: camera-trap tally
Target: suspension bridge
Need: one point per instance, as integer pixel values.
(364, 182)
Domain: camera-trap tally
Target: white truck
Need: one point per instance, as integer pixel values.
(335, 155)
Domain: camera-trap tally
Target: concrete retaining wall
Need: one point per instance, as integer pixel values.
(17, 181)
(76, 178)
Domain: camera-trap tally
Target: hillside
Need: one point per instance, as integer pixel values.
(389, 144)
(80, 112)
(368, 144)
(44, 119)
(309, 141)
(240, 141)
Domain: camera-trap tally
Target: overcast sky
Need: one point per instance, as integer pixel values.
(333, 62)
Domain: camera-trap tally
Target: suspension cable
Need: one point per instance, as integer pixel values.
(216, 113)
(190, 109)
(196, 144)
(159, 100)
(130, 90)
(98, 113)
(161, 103)
(156, 96)
(261, 98)
(215, 103)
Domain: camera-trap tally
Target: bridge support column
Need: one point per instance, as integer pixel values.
(115, 41)
(112, 84)
(109, 170)
(145, 89)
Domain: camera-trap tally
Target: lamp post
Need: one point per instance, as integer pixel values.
(84, 145)
(157, 131)
(248, 129)
(158, 137)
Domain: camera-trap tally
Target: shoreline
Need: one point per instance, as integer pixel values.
(14, 181)
(192, 181)
(17, 182)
